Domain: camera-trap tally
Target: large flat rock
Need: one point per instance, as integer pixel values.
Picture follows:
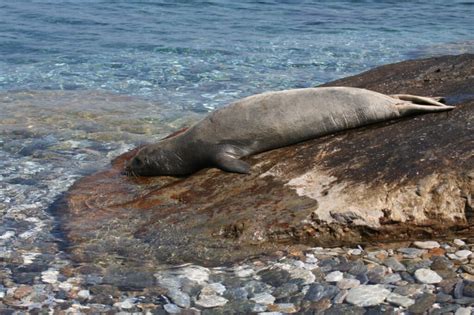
(398, 180)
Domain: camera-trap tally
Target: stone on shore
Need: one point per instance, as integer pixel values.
(398, 180)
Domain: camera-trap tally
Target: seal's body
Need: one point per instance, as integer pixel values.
(271, 120)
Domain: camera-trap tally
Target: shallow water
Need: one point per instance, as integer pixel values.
(81, 82)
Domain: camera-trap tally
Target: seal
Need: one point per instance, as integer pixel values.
(271, 120)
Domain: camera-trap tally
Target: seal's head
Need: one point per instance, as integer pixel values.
(155, 160)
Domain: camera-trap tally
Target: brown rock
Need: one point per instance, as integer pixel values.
(398, 180)
(22, 292)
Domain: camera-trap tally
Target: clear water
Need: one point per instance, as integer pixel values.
(202, 54)
(62, 64)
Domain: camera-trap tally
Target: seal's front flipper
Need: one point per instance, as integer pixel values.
(228, 163)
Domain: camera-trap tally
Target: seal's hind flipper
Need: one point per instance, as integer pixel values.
(407, 108)
(422, 100)
(228, 163)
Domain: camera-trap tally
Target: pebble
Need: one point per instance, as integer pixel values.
(463, 311)
(400, 300)
(392, 278)
(423, 303)
(263, 298)
(179, 298)
(300, 273)
(345, 284)
(459, 242)
(426, 244)
(427, 276)
(411, 252)
(172, 308)
(84, 294)
(355, 252)
(286, 308)
(126, 304)
(394, 264)
(334, 276)
(318, 291)
(468, 289)
(285, 290)
(210, 301)
(50, 276)
(463, 254)
(367, 295)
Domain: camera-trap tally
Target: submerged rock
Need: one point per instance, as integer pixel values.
(397, 180)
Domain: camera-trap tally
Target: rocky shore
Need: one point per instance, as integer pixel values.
(218, 243)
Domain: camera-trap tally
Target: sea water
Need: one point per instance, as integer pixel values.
(83, 81)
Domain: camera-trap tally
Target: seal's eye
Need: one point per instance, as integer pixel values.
(137, 162)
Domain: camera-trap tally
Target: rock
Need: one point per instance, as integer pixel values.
(22, 292)
(441, 263)
(394, 264)
(427, 276)
(400, 300)
(300, 273)
(263, 298)
(179, 298)
(468, 289)
(377, 274)
(463, 311)
(126, 304)
(391, 278)
(423, 303)
(367, 295)
(411, 252)
(334, 276)
(426, 244)
(283, 308)
(345, 284)
(285, 290)
(463, 254)
(318, 291)
(443, 298)
(274, 277)
(84, 294)
(339, 309)
(50, 276)
(459, 242)
(172, 308)
(304, 195)
(210, 301)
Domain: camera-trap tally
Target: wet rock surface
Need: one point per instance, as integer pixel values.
(398, 180)
(116, 269)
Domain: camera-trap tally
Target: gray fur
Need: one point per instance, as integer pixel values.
(271, 120)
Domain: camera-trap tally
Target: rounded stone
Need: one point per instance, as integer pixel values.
(426, 244)
(427, 276)
(172, 308)
(423, 303)
(263, 298)
(179, 298)
(459, 242)
(394, 264)
(345, 284)
(463, 311)
(210, 301)
(367, 295)
(400, 300)
(463, 254)
(334, 276)
(468, 289)
(317, 292)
